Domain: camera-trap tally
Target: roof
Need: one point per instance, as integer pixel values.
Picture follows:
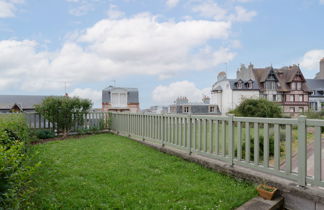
(315, 84)
(109, 88)
(22, 101)
(283, 76)
(233, 84)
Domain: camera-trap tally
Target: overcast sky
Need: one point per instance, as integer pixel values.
(166, 48)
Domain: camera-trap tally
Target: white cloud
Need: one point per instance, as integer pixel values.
(8, 8)
(242, 15)
(88, 93)
(172, 3)
(110, 49)
(311, 59)
(114, 13)
(164, 95)
(210, 9)
(81, 10)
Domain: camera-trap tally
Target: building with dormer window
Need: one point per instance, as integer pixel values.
(120, 99)
(227, 94)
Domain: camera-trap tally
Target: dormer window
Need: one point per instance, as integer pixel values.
(239, 84)
(249, 84)
(293, 86)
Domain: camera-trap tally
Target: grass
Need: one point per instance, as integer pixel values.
(112, 172)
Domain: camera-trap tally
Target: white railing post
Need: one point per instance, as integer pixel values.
(189, 133)
(302, 151)
(231, 138)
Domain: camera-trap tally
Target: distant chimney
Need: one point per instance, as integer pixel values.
(322, 67)
(206, 100)
(320, 75)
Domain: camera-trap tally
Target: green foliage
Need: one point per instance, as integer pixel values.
(261, 148)
(258, 108)
(64, 112)
(44, 134)
(16, 165)
(315, 115)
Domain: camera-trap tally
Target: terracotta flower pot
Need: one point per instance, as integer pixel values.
(266, 192)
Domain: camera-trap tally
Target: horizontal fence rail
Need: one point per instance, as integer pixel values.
(289, 148)
(88, 121)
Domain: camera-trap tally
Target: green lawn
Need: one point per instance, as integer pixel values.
(107, 171)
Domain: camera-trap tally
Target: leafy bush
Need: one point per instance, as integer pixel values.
(16, 163)
(261, 148)
(44, 134)
(64, 112)
(257, 108)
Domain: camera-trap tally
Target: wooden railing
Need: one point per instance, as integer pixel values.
(288, 148)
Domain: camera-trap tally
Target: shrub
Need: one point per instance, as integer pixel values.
(16, 163)
(64, 112)
(261, 148)
(44, 134)
(257, 108)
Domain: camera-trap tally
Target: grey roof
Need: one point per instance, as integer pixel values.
(316, 86)
(22, 101)
(132, 94)
(109, 88)
(233, 82)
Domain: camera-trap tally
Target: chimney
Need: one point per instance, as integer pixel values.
(322, 67)
(206, 100)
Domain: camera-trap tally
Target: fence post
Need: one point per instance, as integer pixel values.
(231, 138)
(189, 133)
(162, 130)
(128, 124)
(302, 151)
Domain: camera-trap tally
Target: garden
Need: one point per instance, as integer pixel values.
(103, 171)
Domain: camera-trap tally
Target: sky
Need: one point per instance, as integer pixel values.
(165, 48)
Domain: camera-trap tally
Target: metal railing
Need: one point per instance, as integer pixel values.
(289, 148)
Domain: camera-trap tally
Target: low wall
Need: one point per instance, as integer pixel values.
(296, 197)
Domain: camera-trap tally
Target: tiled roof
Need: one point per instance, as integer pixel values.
(22, 101)
(284, 76)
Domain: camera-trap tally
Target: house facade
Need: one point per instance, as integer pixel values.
(316, 98)
(285, 86)
(120, 99)
(183, 106)
(227, 94)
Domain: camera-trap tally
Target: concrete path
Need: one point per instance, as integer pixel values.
(310, 160)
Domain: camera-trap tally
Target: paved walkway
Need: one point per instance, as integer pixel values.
(310, 160)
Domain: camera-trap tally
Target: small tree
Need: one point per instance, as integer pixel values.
(257, 108)
(64, 111)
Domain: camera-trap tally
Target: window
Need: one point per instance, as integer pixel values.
(274, 97)
(271, 85)
(293, 86)
(292, 109)
(291, 98)
(300, 97)
(299, 85)
(186, 109)
(279, 98)
(212, 109)
(306, 98)
(300, 109)
(119, 99)
(313, 105)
